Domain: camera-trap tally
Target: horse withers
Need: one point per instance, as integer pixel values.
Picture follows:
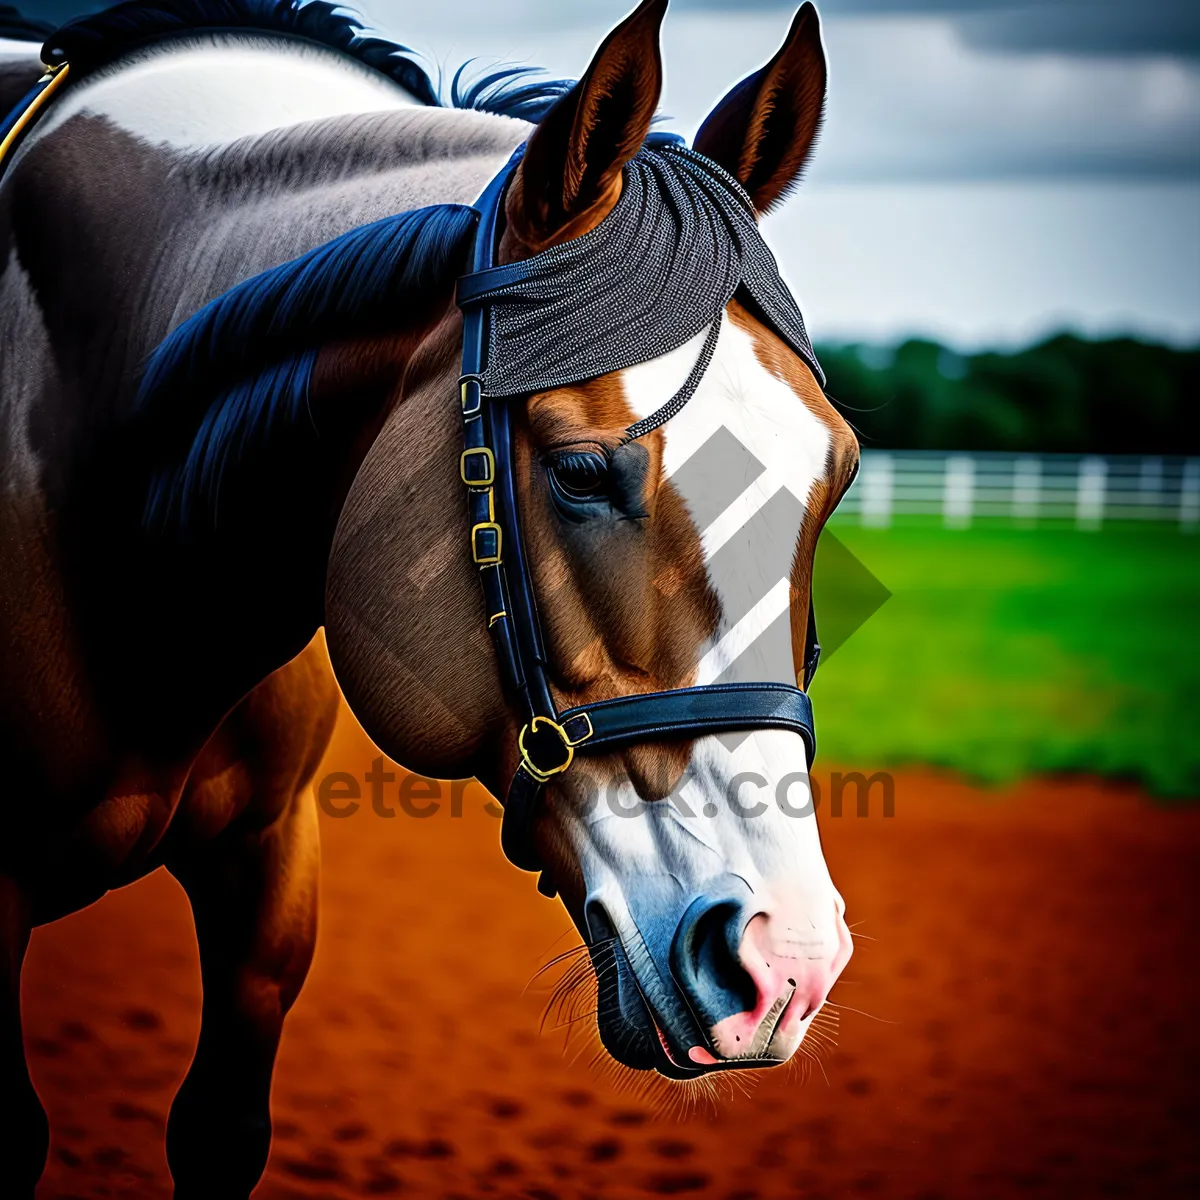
(230, 414)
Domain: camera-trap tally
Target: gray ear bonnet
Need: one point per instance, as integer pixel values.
(680, 243)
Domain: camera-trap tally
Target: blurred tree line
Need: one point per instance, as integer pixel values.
(1120, 396)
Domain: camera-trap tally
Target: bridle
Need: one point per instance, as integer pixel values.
(550, 739)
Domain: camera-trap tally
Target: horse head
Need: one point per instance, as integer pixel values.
(663, 554)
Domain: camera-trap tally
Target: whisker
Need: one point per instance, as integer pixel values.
(565, 956)
(870, 1016)
(821, 1068)
(572, 979)
(573, 996)
(565, 933)
(565, 986)
(591, 1012)
(672, 1099)
(577, 953)
(821, 1047)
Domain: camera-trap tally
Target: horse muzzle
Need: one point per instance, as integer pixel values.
(739, 989)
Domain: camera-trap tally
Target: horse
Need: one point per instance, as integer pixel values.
(231, 491)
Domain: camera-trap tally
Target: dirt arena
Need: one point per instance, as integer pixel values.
(1030, 979)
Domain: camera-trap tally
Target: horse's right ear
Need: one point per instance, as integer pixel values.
(571, 174)
(763, 131)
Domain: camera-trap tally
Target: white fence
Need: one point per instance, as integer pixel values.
(1085, 489)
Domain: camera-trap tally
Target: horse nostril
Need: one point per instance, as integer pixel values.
(705, 963)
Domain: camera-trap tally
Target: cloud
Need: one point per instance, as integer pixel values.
(909, 100)
(1110, 28)
(1087, 27)
(997, 264)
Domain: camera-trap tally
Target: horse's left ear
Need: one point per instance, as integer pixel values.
(763, 131)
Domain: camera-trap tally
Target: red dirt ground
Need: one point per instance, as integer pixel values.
(1031, 981)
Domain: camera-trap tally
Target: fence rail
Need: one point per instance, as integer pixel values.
(1085, 489)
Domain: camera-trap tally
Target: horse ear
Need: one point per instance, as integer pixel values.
(763, 131)
(574, 158)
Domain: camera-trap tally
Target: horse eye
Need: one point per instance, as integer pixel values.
(580, 475)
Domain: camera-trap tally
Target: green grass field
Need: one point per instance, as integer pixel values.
(1005, 652)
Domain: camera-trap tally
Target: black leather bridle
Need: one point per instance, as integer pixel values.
(550, 739)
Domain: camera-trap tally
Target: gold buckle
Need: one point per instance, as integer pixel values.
(541, 774)
(470, 396)
(489, 459)
(590, 731)
(485, 560)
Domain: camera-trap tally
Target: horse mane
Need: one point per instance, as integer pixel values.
(508, 91)
(240, 368)
(93, 41)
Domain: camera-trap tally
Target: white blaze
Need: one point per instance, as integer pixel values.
(769, 419)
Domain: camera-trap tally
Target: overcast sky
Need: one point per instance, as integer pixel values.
(990, 170)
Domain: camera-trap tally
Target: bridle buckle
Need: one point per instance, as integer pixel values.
(539, 737)
(477, 467)
(470, 396)
(486, 540)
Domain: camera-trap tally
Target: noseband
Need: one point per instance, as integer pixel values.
(550, 739)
